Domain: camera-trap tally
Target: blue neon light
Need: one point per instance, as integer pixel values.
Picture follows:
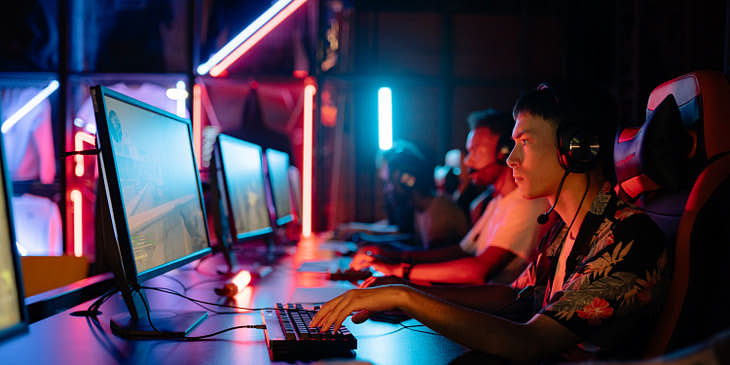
(32, 103)
(385, 118)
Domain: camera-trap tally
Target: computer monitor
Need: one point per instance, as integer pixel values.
(155, 199)
(278, 169)
(241, 186)
(13, 315)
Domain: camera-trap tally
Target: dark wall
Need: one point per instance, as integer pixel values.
(444, 59)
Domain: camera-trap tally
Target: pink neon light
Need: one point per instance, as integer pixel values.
(256, 37)
(242, 279)
(79, 140)
(309, 92)
(197, 121)
(78, 228)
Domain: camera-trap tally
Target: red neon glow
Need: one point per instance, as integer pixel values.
(78, 232)
(242, 279)
(300, 74)
(197, 121)
(256, 37)
(309, 92)
(79, 140)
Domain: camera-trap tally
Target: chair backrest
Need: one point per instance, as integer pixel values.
(689, 201)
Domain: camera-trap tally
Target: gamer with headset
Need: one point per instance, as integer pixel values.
(423, 220)
(595, 288)
(502, 241)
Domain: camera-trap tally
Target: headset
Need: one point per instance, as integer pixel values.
(577, 147)
(407, 164)
(577, 150)
(504, 148)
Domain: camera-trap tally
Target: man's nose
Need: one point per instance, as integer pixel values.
(513, 158)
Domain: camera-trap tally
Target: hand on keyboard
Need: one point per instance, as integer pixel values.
(289, 335)
(378, 299)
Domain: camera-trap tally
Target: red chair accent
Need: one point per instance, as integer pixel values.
(697, 303)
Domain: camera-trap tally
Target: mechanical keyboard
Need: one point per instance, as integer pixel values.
(289, 337)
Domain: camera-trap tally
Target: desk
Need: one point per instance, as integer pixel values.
(65, 339)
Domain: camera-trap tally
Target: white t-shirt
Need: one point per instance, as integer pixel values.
(37, 225)
(29, 143)
(508, 222)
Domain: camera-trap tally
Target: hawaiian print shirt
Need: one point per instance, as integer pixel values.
(616, 279)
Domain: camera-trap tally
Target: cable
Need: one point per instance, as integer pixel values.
(203, 283)
(412, 328)
(562, 241)
(199, 302)
(184, 288)
(580, 205)
(202, 337)
(189, 338)
(543, 218)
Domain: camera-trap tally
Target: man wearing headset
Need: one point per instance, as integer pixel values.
(601, 274)
(502, 241)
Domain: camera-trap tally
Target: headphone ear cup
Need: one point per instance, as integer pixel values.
(577, 149)
(504, 148)
(407, 180)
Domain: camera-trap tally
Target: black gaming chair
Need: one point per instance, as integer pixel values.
(676, 167)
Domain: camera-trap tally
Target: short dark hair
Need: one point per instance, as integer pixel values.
(587, 106)
(406, 157)
(499, 122)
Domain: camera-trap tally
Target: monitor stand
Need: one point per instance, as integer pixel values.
(167, 323)
(135, 323)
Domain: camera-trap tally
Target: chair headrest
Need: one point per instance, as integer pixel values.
(703, 98)
(655, 155)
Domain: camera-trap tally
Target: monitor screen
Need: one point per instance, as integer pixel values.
(278, 164)
(152, 183)
(244, 183)
(13, 316)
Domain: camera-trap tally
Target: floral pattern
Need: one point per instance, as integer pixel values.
(596, 311)
(616, 276)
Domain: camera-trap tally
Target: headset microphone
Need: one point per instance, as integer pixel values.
(543, 218)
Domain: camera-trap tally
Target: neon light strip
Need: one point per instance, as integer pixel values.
(309, 92)
(20, 113)
(241, 37)
(255, 37)
(78, 229)
(385, 118)
(197, 121)
(183, 94)
(79, 140)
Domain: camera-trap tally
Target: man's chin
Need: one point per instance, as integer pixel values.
(526, 193)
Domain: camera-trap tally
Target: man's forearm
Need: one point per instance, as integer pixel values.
(435, 255)
(485, 332)
(489, 298)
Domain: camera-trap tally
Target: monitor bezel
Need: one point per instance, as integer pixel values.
(280, 221)
(255, 234)
(110, 177)
(22, 325)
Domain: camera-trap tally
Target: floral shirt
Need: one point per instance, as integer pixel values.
(616, 279)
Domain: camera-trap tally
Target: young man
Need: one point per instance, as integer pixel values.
(408, 185)
(596, 284)
(502, 241)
